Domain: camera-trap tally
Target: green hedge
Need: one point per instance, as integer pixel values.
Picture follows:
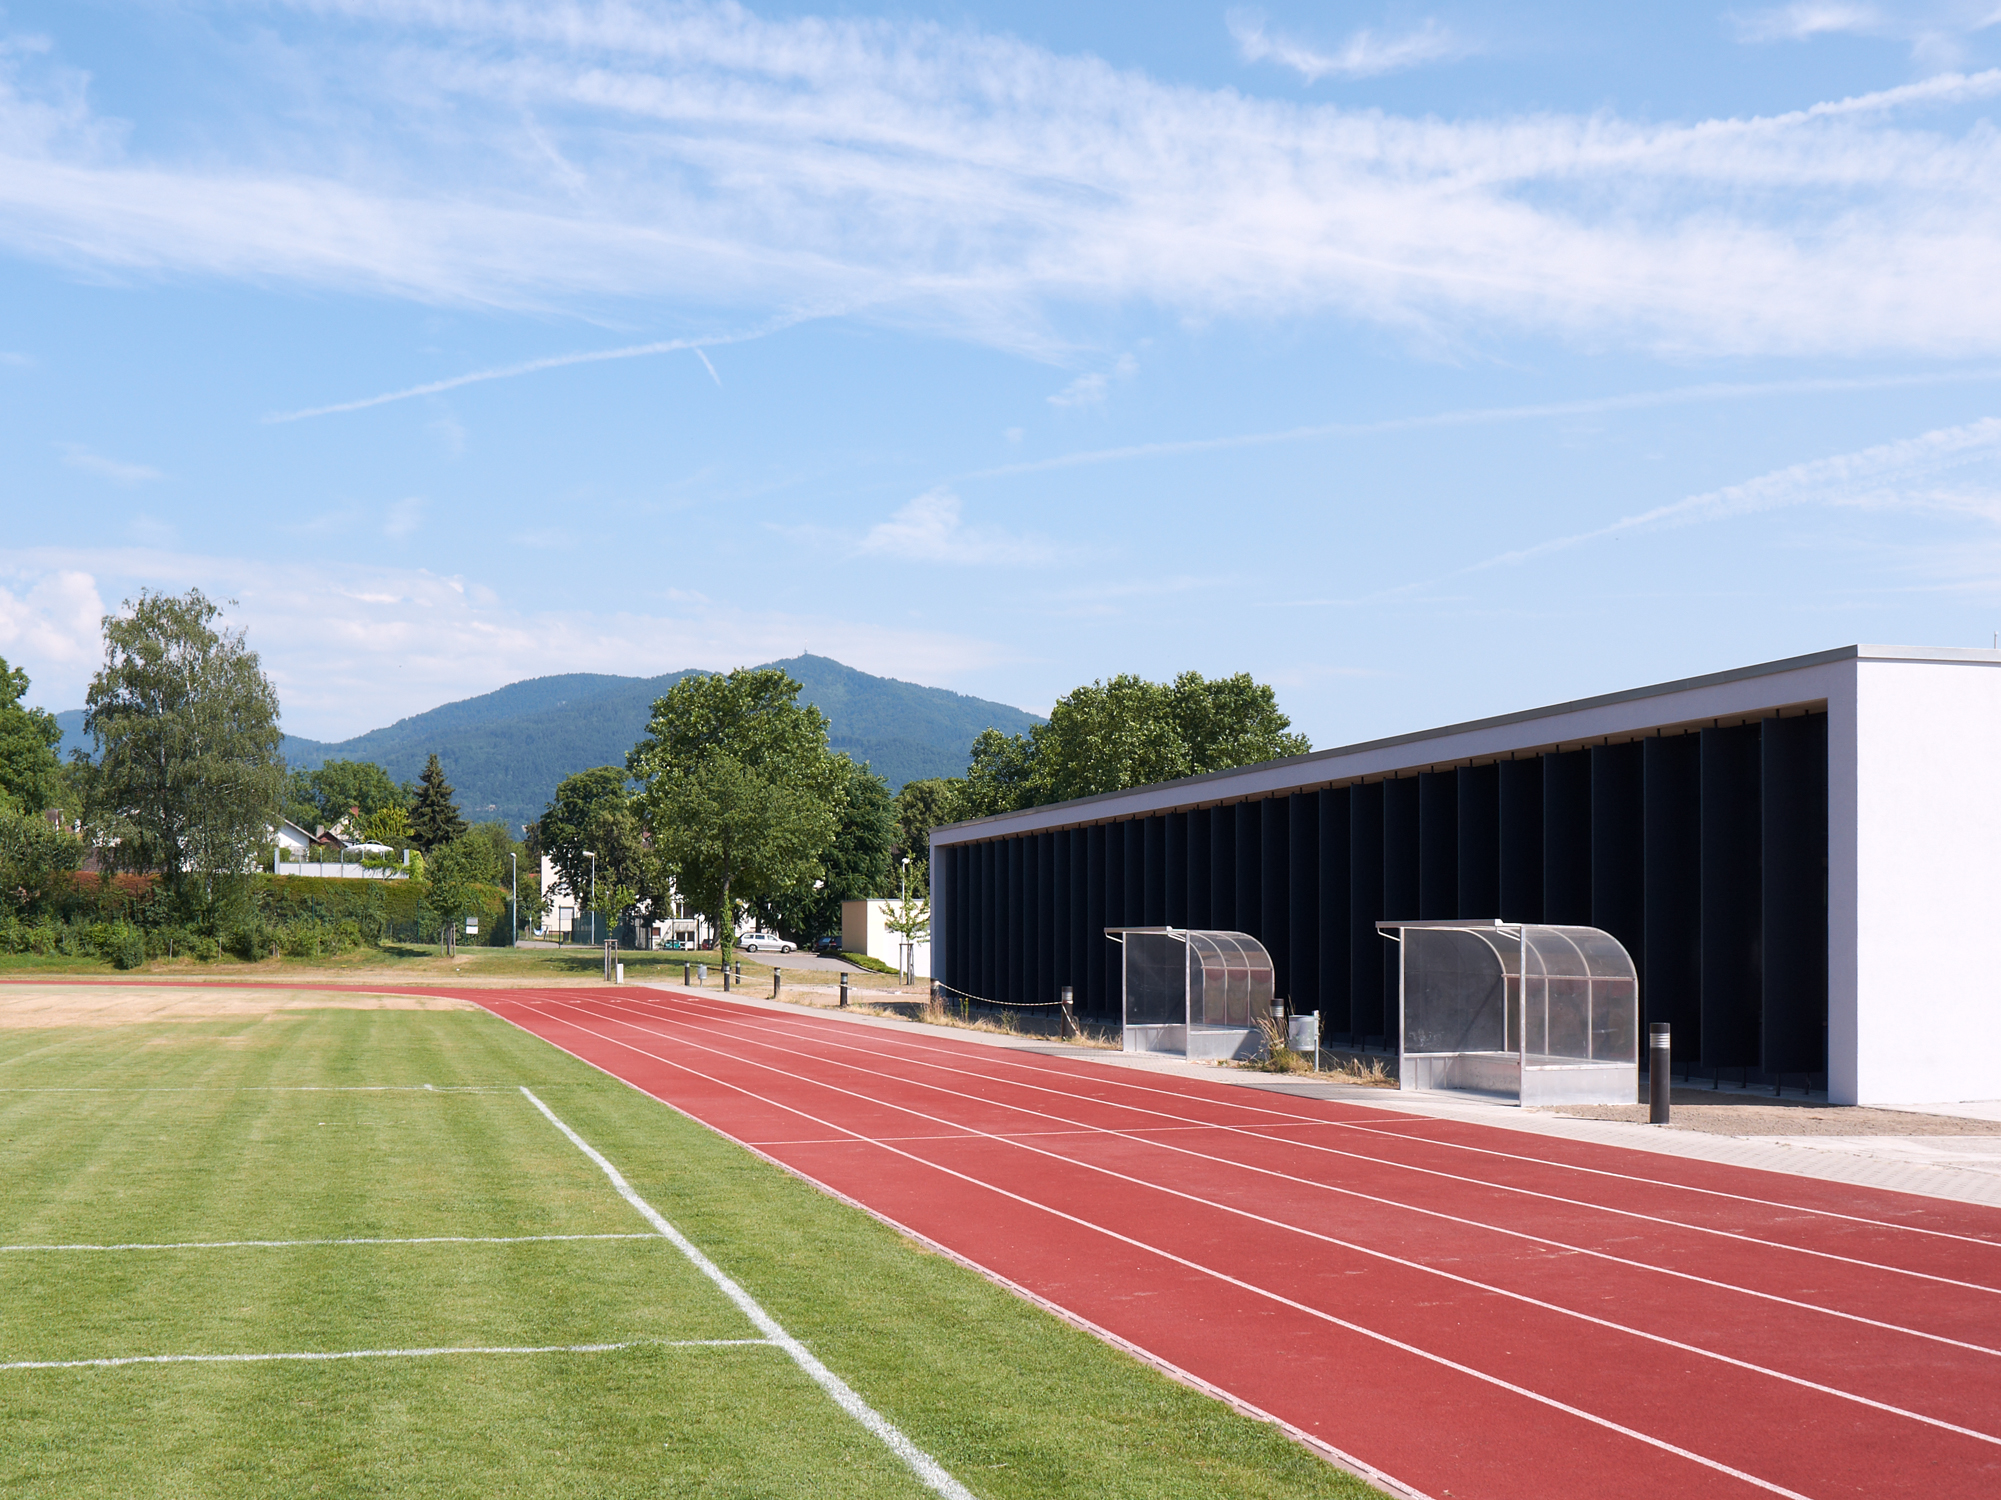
(126, 919)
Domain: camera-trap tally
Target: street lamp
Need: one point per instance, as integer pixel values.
(514, 901)
(909, 945)
(593, 907)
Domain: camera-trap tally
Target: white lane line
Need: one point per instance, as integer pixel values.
(928, 1470)
(1280, 1224)
(1402, 1127)
(1223, 1276)
(314, 1356)
(1147, 1137)
(429, 1239)
(1367, 1129)
(1255, 1133)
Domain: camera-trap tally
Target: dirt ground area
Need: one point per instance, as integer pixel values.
(111, 1004)
(1716, 1113)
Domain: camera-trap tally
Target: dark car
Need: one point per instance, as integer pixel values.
(827, 947)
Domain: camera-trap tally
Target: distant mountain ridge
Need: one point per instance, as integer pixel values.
(505, 751)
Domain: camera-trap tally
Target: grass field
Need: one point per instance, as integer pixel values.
(402, 963)
(398, 1125)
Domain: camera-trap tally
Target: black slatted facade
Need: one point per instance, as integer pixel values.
(1705, 853)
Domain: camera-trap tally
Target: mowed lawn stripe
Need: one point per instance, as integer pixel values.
(1006, 1398)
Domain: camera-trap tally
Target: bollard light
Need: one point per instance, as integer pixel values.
(1660, 1074)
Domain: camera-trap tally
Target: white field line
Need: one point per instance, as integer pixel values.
(315, 1356)
(1385, 1128)
(1147, 1136)
(1365, 1250)
(430, 1239)
(926, 1468)
(1369, 1129)
(1227, 1279)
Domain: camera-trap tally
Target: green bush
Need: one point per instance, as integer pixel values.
(128, 948)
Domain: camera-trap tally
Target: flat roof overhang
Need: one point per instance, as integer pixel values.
(1775, 689)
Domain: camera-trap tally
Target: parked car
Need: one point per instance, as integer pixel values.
(764, 942)
(827, 947)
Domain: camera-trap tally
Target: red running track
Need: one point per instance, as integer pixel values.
(1467, 1310)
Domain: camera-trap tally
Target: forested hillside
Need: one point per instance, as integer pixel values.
(505, 751)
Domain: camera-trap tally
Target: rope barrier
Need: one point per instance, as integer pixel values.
(956, 994)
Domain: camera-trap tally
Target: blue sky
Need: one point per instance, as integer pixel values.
(1425, 361)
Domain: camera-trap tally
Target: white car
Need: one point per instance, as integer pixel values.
(764, 942)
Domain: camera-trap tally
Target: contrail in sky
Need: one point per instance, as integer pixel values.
(1475, 416)
(550, 362)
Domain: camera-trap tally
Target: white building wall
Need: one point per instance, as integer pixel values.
(865, 931)
(1926, 883)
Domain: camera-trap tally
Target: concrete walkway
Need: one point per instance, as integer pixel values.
(1931, 1157)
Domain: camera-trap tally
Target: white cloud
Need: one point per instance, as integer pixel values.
(51, 629)
(1090, 390)
(1366, 54)
(716, 164)
(79, 457)
(1809, 18)
(404, 517)
(1085, 390)
(1936, 33)
(1897, 476)
(377, 644)
(930, 529)
(15, 360)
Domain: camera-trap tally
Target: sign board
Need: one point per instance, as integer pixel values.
(472, 926)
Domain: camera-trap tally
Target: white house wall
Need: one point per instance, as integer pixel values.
(1923, 891)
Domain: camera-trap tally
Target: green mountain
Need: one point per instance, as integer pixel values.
(505, 751)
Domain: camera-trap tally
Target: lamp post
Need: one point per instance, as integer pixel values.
(909, 944)
(592, 908)
(514, 901)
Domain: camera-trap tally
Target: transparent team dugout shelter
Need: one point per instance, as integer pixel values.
(1193, 994)
(1545, 1015)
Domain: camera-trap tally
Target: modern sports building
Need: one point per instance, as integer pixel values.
(1803, 858)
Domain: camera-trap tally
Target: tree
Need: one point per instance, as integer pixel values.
(909, 916)
(999, 775)
(449, 893)
(186, 725)
(391, 826)
(37, 861)
(328, 793)
(856, 867)
(487, 847)
(920, 807)
(742, 795)
(593, 813)
(434, 816)
(1106, 736)
(29, 769)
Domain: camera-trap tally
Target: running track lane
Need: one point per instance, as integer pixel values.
(1471, 1311)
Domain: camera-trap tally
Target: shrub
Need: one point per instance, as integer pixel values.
(128, 947)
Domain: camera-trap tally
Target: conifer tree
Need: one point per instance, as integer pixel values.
(434, 817)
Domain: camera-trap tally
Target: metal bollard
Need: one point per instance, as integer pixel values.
(776, 974)
(739, 971)
(844, 987)
(687, 973)
(726, 979)
(1067, 1015)
(1660, 1074)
